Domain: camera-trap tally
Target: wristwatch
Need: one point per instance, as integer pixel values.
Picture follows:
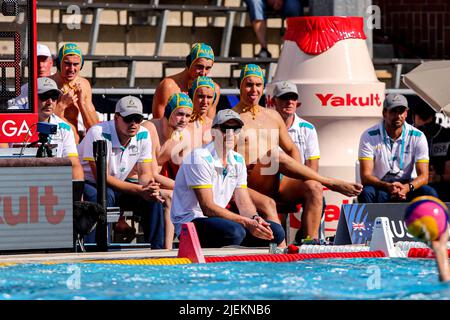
(411, 187)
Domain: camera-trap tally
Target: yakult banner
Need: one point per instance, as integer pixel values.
(327, 58)
(36, 208)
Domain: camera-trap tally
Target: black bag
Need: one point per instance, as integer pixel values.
(85, 216)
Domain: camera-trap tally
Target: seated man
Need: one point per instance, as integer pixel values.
(202, 94)
(304, 136)
(388, 154)
(204, 185)
(169, 136)
(264, 134)
(128, 143)
(438, 139)
(75, 105)
(198, 63)
(48, 94)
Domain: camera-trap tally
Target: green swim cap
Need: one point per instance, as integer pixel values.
(251, 70)
(69, 49)
(177, 100)
(199, 50)
(202, 82)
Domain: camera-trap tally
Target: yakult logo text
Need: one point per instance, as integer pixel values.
(329, 99)
(30, 206)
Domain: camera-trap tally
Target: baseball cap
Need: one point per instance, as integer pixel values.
(394, 100)
(129, 105)
(45, 84)
(284, 87)
(226, 115)
(43, 50)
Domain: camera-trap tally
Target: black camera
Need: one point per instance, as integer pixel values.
(46, 128)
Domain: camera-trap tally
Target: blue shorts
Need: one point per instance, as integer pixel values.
(257, 9)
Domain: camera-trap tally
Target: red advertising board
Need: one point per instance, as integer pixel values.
(18, 66)
(18, 127)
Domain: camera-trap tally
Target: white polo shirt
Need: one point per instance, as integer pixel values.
(304, 135)
(203, 169)
(64, 138)
(395, 157)
(121, 160)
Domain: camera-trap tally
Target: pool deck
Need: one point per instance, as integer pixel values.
(120, 254)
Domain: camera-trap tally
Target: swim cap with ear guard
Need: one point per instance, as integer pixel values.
(177, 100)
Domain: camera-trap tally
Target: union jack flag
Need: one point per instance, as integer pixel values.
(359, 226)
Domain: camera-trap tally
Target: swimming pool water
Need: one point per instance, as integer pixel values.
(308, 279)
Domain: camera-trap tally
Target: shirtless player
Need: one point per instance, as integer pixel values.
(202, 94)
(264, 134)
(167, 135)
(174, 138)
(198, 63)
(76, 102)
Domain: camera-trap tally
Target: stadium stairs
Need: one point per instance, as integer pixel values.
(134, 44)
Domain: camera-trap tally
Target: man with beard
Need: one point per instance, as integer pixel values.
(388, 154)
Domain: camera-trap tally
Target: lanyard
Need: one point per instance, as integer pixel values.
(386, 140)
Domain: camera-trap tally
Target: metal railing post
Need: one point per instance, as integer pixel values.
(95, 26)
(101, 232)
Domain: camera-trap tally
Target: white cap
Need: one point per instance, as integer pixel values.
(43, 50)
(129, 105)
(225, 115)
(45, 84)
(284, 87)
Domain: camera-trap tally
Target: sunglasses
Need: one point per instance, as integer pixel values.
(49, 95)
(288, 96)
(224, 128)
(136, 118)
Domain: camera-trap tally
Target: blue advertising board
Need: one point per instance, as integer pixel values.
(356, 222)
